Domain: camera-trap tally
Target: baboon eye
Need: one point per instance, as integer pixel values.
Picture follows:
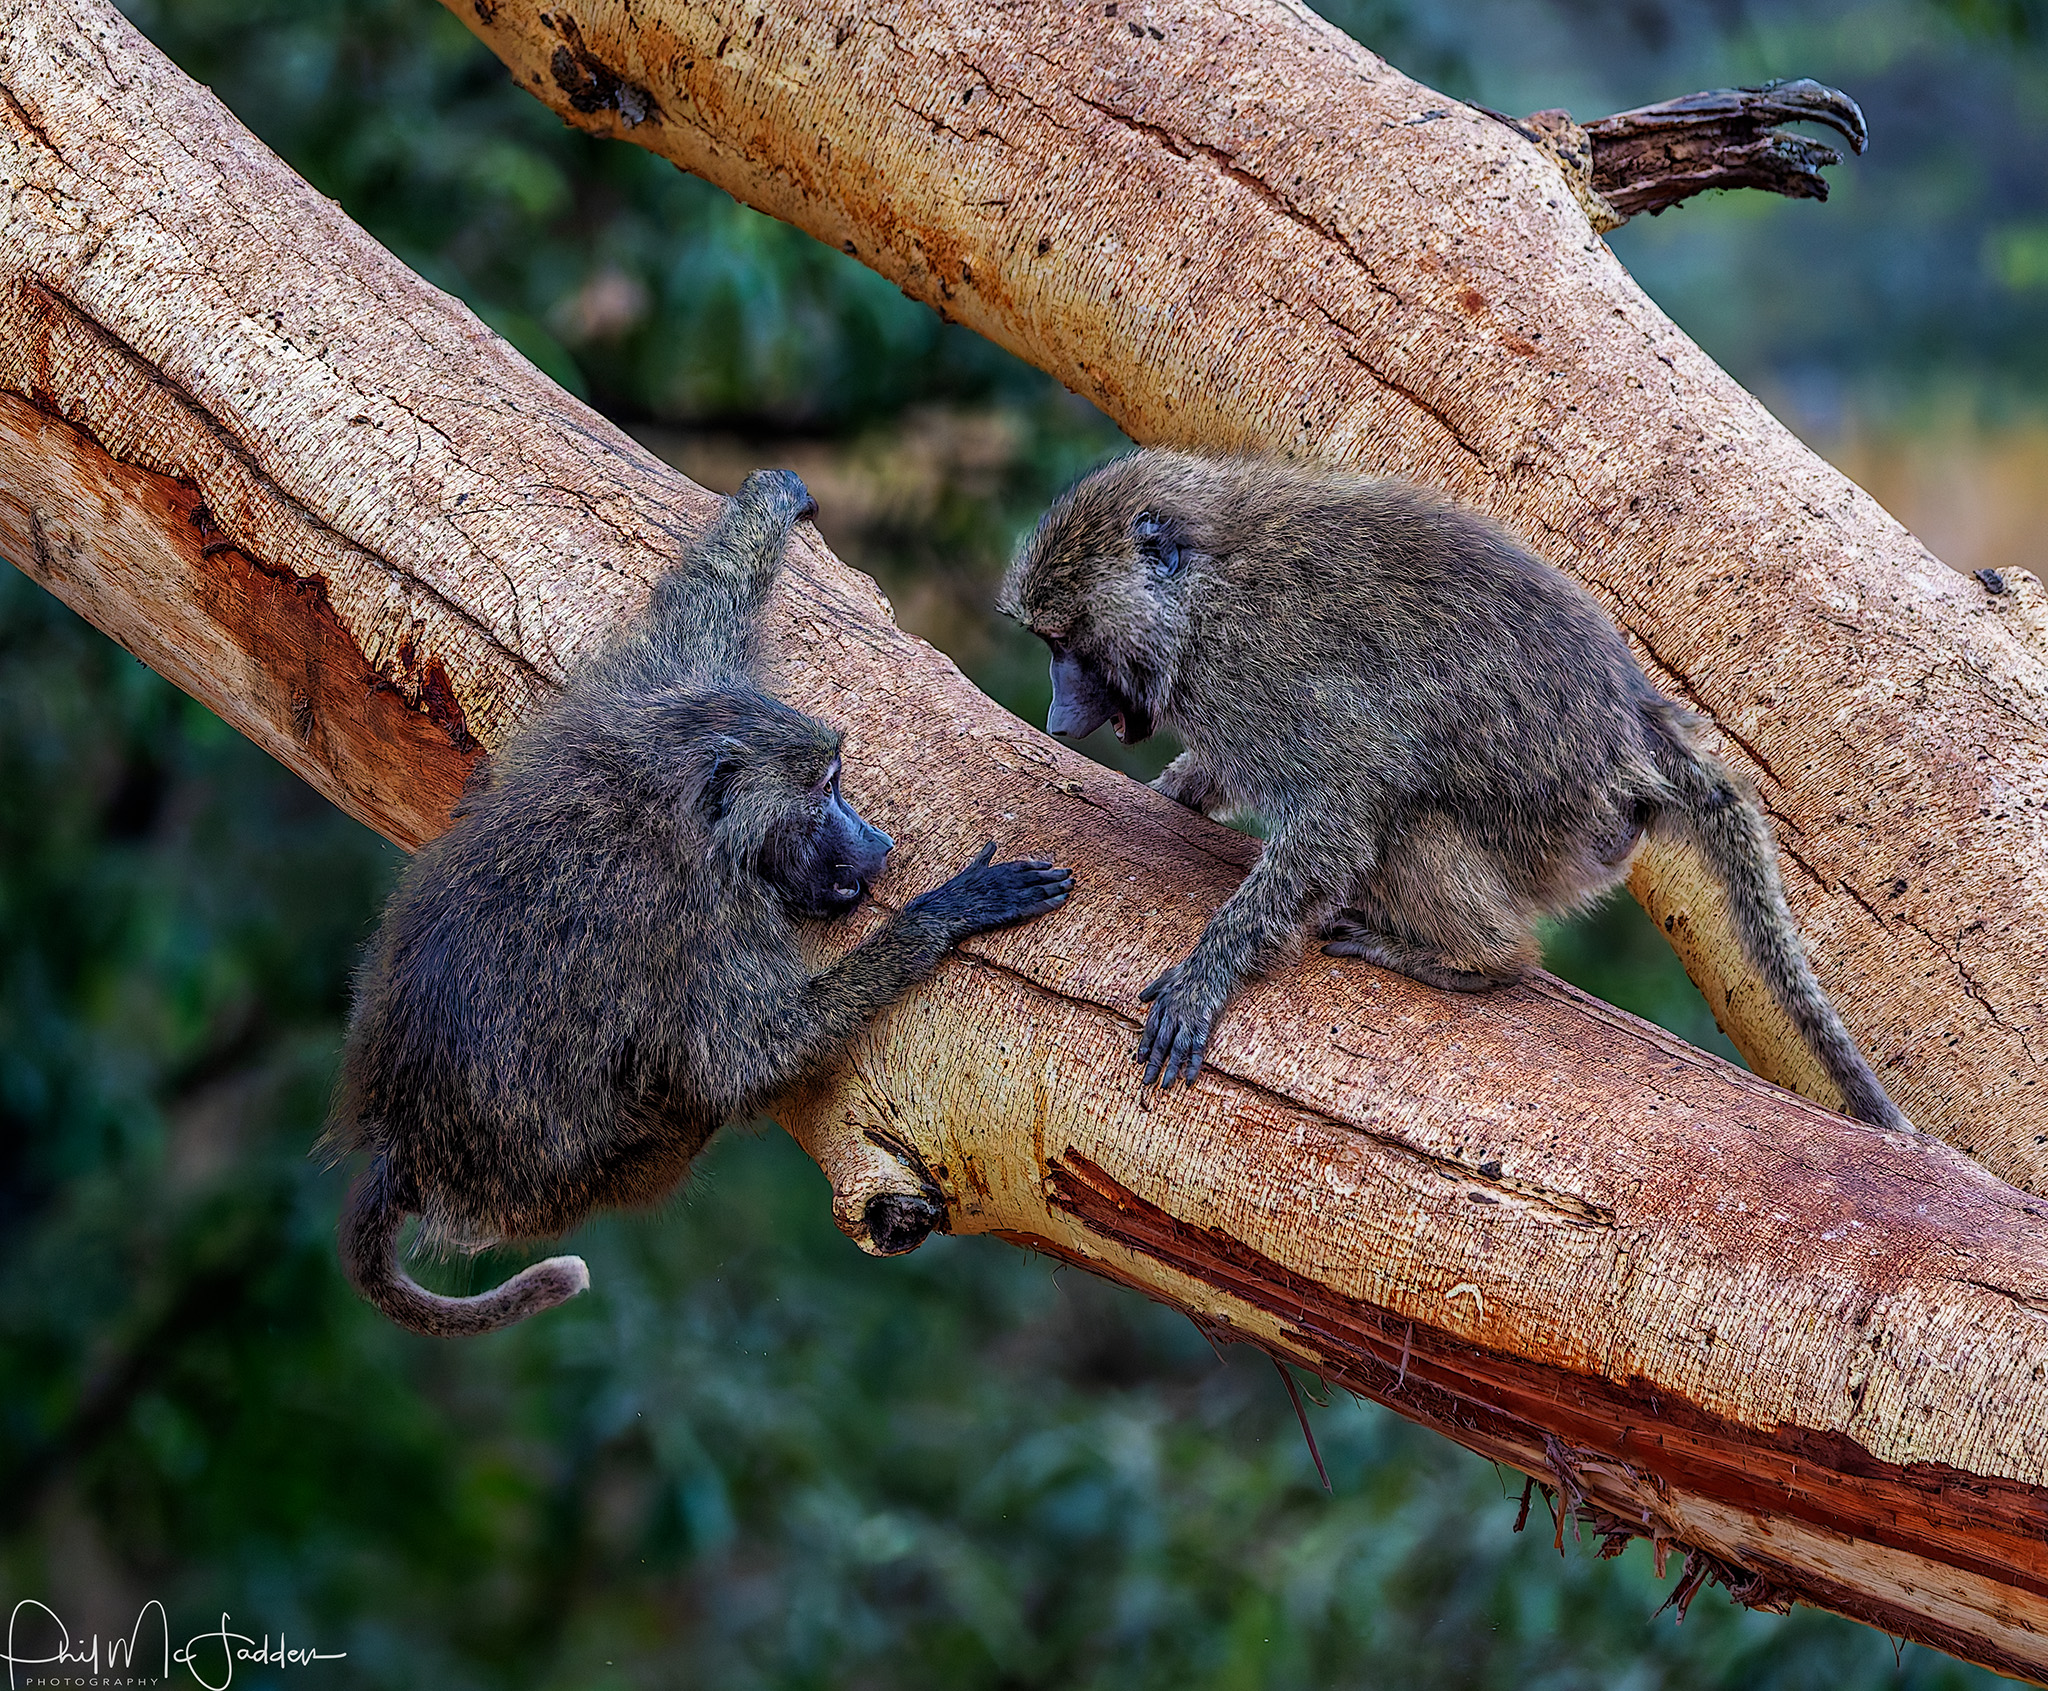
(1156, 544)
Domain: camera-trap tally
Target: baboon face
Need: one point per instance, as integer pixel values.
(1105, 582)
(821, 856)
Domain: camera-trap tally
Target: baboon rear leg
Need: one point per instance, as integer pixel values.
(1503, 965)
(1438, 911)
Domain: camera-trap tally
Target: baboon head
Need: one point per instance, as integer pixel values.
(1108, 580)
(771, 800)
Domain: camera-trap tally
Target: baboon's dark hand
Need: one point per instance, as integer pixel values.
(1176, 1035)
(987, 894)
(780, 493)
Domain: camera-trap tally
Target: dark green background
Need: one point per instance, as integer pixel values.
(753, 1457)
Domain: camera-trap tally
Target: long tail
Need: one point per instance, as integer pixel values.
(1732, 835)
(369, 1237)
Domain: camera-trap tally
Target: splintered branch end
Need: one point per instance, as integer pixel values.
(1654, 156)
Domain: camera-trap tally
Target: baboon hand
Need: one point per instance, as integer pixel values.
(988, 895)
(1176, 1033)
(778, 493)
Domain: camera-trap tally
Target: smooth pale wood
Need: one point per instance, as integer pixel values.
(317, 492)
(1230, 225)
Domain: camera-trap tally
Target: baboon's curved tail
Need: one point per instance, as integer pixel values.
(369, 1237)
(1726, 825)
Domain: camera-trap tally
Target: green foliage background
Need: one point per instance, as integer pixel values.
(753, 1457)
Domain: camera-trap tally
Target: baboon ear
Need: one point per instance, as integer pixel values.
(728, 759)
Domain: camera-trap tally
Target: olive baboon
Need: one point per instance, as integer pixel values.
(597, 964)
(1445, 737)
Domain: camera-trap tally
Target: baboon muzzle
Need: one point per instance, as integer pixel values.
(1082, 702)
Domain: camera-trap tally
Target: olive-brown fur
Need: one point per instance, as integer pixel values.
(598, 963)
(1446, 738)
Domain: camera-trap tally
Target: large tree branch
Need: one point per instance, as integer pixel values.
(318, 493)
(1227, 223)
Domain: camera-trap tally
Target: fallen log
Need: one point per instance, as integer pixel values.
(1231, 225)
(320, 495)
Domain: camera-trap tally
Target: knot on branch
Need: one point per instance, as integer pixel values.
(883, 1197)
(1654, 156)
(590, 84)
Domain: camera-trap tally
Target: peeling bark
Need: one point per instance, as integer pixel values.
(321, 496)
(1229, 225)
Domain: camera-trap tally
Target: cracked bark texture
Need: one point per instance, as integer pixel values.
(1229, 225)
(316, 492)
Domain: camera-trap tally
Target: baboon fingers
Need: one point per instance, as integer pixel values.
(1154, 1061)
(784, 488)
(988, 895)
(1189, 1042)
(1172, 1044)
(1151, 1048)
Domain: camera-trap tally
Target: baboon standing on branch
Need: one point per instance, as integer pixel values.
(1446, 737)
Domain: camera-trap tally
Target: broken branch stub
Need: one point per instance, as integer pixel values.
(1654, 156)
(883, 1197)
(1806, 1354)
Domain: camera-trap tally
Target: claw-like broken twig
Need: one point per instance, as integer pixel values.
(1654, 156)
